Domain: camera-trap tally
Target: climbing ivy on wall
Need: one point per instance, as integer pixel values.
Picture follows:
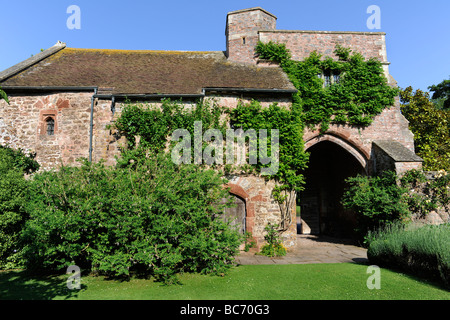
(292, 158)
(358, 93)
(361, 93)
(154, 124)
(148, 129)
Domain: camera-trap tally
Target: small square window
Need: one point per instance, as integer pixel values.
(329, 78)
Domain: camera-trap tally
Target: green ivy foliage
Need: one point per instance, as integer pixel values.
(361, 93)
(153, 125)
(292, 158)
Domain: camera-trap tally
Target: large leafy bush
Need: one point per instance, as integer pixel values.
(13, 193)
(385, 199)
(377, 200)
(152, 217)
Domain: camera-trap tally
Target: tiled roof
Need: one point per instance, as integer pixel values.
(144, 72)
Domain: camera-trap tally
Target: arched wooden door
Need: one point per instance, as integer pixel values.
(236, 214)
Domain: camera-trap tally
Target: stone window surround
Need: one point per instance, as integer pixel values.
(44, 115)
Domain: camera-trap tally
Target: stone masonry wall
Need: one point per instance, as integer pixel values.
(302, 43)
(21, 125)
(388, 125)
(261, 208)
(22, 122)
(242, 33)
(246, 27)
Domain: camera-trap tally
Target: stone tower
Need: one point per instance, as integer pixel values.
(241, 32)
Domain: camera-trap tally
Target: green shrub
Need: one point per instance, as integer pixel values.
(377, 200)
(418, 249)
(249, 242)
(152, 217)
(274, 247)
(13, 191)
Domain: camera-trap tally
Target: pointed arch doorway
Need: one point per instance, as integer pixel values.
(332, 161)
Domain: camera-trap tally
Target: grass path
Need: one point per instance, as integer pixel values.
(340, 281)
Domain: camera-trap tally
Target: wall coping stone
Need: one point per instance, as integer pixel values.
(397, 151)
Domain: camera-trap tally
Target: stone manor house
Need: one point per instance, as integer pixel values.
(62, 99)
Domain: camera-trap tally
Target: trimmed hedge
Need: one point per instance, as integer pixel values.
(422, 250)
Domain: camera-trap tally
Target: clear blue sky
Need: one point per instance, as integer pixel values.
(418, 32)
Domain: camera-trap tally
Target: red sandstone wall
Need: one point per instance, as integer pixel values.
(302, 43)
(242, 33)
(389, 125)
(23, 123)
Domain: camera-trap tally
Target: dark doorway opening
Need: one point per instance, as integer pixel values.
(321, 211)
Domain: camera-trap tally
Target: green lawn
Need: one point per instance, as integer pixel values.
(259, 282)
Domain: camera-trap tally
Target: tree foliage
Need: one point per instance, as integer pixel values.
(386, 198)
(441, 94)
(431, 128)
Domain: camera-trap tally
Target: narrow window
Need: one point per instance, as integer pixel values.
(243, 40)
(327, 79)
(336, 78)
(50, 122)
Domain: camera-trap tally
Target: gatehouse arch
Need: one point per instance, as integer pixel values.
(332, 161)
